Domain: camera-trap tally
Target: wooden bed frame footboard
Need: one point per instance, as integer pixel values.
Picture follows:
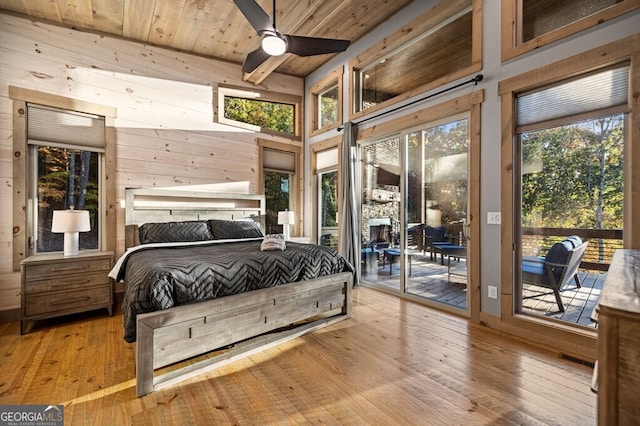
(252, 322)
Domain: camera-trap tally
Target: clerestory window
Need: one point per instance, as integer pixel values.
(530, 24)
(260, 111)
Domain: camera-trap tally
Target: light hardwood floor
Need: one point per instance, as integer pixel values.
(394, 362)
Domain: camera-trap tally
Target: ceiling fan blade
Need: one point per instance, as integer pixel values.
(257, 17)
(254, 60)
(309, 46)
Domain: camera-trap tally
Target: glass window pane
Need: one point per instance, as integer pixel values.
(543, 16)
(572, 184)
(328, 214)
(436, 200)
(277, 191)
(381, 210)
(328, 106)
(275, 116)
(66, 178)
(424, 60)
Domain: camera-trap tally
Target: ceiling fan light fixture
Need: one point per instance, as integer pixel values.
(273, 45)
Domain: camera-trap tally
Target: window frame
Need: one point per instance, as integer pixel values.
(331, 143)
(564, 338)
(297, 186)
(512, 45)
(407, 34)
(262, 95)
(20, 97)
(331, 80)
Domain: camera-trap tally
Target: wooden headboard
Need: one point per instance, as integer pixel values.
(169, 205)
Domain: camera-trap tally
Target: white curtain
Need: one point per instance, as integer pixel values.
(349, 218)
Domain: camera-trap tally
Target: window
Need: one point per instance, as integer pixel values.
(260, 111)
(326, 166)
(436, 48)
(88, 127)
(280, 180)
(570, 139)
(326, 103)
(65, 156)
(565, 76)
(540, 22)
(328, 106)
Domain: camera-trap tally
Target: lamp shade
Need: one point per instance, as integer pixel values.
(286, 218)
(70, 221)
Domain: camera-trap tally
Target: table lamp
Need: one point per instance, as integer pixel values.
(286, 219)
(70, 222)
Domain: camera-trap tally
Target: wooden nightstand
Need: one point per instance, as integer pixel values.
(54, 285)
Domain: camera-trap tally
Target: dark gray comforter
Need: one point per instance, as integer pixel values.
(164, 277)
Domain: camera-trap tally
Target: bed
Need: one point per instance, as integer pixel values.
(197, 282)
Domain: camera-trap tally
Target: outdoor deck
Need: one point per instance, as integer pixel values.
(430, 279)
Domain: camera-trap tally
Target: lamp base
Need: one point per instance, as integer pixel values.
(287, 232)
(70, 243)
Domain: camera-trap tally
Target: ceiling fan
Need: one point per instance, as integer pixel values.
(275, 43)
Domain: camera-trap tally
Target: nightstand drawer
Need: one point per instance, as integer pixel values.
(64, 300)
(71, 282)
(80, 266)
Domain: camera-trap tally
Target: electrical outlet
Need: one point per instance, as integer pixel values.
(494, 218)
(493, 292)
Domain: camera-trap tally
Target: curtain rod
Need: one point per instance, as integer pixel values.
(474, 80)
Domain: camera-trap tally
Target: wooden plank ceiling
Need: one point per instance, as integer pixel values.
(215, 28)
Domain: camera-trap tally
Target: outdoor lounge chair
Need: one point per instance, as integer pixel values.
(557, 268)
(434, 236)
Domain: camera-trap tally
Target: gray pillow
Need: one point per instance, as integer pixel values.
(170, 232)
(233, 229)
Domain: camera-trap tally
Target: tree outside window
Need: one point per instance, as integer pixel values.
(66, 178)
(277, 191)
(572, 177)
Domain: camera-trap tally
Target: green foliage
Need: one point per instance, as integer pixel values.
(277, 192)
(329, 203)
(329, 107)
(572, 175)
(278, 117)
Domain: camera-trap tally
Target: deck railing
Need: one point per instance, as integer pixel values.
(602, 243)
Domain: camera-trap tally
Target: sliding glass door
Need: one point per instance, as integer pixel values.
(414, 212)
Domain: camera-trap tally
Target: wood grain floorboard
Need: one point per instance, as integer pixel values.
(393, 362)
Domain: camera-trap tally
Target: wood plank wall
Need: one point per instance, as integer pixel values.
(164, 130)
